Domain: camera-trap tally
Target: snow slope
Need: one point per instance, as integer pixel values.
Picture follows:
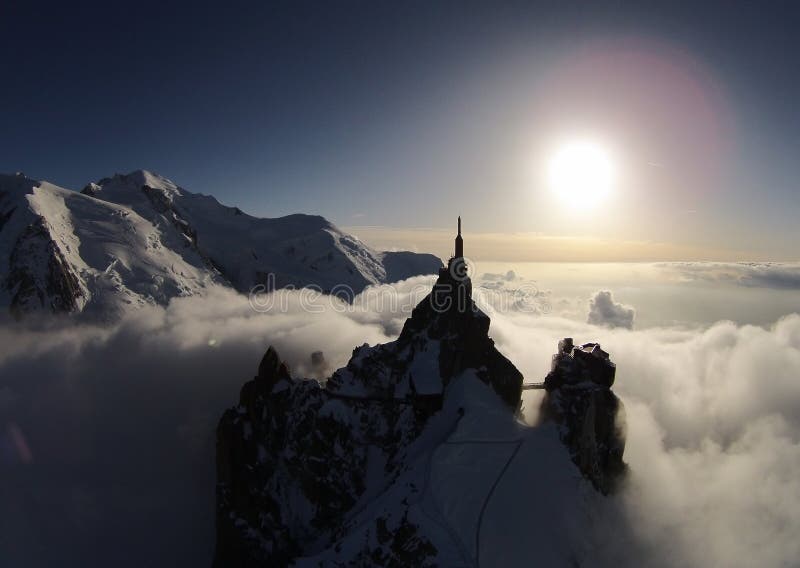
(483, 488)
(115, 258)
(135, 239)
(297, 249)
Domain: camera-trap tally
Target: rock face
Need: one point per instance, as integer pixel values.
(39, 277)
(590, 417)
(295, 459)
(446, 333)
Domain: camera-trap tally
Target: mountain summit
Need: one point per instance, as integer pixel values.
(136, 239)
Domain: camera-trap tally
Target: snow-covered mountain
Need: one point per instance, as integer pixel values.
(412, 454)
(135, 239)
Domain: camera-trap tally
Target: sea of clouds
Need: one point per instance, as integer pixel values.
(107, 432)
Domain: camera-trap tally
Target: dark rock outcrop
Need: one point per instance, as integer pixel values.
(591, 418)
(319, 365)
(39, 276)
(163, 204)
(293, 459)
(91, 189)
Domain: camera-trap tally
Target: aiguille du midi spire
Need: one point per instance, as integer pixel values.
(455, 277)
(459, 242)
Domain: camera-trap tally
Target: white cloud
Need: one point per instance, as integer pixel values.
(713, 439)
(120, 424)
(603, 310)
(509, 276)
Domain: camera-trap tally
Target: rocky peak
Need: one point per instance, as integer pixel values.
(590, 417)
(446, 332)
(271, 369)
(91, 189)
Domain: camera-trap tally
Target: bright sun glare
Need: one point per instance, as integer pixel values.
(581, 174)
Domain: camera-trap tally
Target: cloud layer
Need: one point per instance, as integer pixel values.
(119, 425)
(107, 433)
(774, 275)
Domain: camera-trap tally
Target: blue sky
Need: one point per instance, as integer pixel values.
(402, 115)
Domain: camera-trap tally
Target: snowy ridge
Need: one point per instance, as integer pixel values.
(298, 249)
(138, 239)
(112, 259)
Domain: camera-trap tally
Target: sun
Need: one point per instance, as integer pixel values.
(581, 173)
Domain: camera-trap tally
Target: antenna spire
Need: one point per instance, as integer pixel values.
(459, 241)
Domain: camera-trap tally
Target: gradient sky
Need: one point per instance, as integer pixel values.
(400, 115)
